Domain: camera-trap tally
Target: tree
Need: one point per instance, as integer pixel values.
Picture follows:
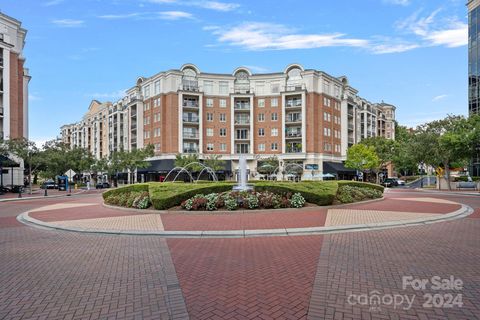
(132, 160)
(268, 165)
(215, 162)
(28, 151)
(385, 150)
(362, 157)
(404, 155)
(444, 142)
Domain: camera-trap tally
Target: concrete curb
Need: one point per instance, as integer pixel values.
(463, 212)
(43, 197)
(455, 193)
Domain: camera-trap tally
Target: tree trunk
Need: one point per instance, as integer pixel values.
(30, 177)
(447, 176)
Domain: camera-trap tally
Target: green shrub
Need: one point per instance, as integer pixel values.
(139, 187)
(297, 201)
(360, 184)
(349, 194)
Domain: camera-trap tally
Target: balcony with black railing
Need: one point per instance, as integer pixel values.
(293, 103)
(242, 106)
(294, 147)
(289, 119)
(193, 104)
(190, 150)
(190, 135)
(242, 121)
(191, 120)
(292, 134)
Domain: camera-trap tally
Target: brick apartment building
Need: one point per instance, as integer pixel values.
(301, 116)
(14, 79)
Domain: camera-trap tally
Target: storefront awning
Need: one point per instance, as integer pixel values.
(337, 168)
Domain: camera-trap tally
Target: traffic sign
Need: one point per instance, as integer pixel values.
(70, 173)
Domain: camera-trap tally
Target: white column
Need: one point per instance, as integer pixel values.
(252, 150)
(344, 127)
(26, 80)
(6, 93)
(284, 115)
(200, 123)
(232, 122)
(304, 123)
(180, 122)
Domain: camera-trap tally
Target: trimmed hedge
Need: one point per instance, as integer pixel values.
(139, 187)
(361, 185)
(319, 193)
(166, 195)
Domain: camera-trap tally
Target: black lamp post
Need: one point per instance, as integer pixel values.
(477, 163)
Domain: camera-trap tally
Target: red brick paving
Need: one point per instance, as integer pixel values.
(247, 221)
(475, 214)
(8, 222)
(87, 212)
(410, 206)
(256, 278)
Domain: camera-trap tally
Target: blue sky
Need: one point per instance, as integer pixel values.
(411, 53)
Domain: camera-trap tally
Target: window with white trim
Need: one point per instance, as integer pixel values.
(209, 146)
(261, 147)
(223, 132)
(209, 116)
(274, 146)
(274, 102)
(209, 132)
(223, 147)
(261, 132)
(223, 103)
(261, 103)
(274, 116)
(261, 117)
(223, 117)
(209, 102)
(274, 132)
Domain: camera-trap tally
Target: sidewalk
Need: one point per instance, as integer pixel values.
(93, 217)
(38, 194)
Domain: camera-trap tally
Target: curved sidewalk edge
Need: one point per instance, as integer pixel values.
(43, 197)
(463, 212)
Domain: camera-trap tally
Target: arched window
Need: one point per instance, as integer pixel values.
(242, 82)
(294, 78)
(189, 80)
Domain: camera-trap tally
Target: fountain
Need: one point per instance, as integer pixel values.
(242, 178)
(184, 169)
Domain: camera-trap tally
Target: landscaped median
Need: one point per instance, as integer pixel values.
(166, 195)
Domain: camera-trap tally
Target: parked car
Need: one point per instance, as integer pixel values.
(390, 182)
(102, 185)
(401, 182)
(49, 184)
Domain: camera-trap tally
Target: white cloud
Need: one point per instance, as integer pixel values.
(68, 23)
(119, 16)
(211, 5)
(258, 69)
(457, 36)
(52, 3)
(107, 95)
(269, 36)
(434, 31)
(164, 15)
(392, 47)
(398, 2)
(174, 15)
(33, 97)
(215, 5)
(440, 97)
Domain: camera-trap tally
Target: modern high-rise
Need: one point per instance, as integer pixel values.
(301, 116)
(473, 56)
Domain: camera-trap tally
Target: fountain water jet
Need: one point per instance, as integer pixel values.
(242, 176)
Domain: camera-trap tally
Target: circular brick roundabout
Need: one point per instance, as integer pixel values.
(55, 274)
(389, 212)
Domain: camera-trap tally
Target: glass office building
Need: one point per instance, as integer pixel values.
(473, 56)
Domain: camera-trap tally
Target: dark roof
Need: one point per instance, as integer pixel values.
(336, 167)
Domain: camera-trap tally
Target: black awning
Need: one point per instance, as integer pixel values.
(337, 168)
(160, 166)
(7, 162)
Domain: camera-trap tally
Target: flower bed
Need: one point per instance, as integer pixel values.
(234, 200)
(166, 195)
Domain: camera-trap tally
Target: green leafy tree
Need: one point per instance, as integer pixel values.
(28, 151)
(135, 159)
(404, 155)
(444, 142)
(362, 157)
(385, 150)
(215, 162)
(268, 165)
